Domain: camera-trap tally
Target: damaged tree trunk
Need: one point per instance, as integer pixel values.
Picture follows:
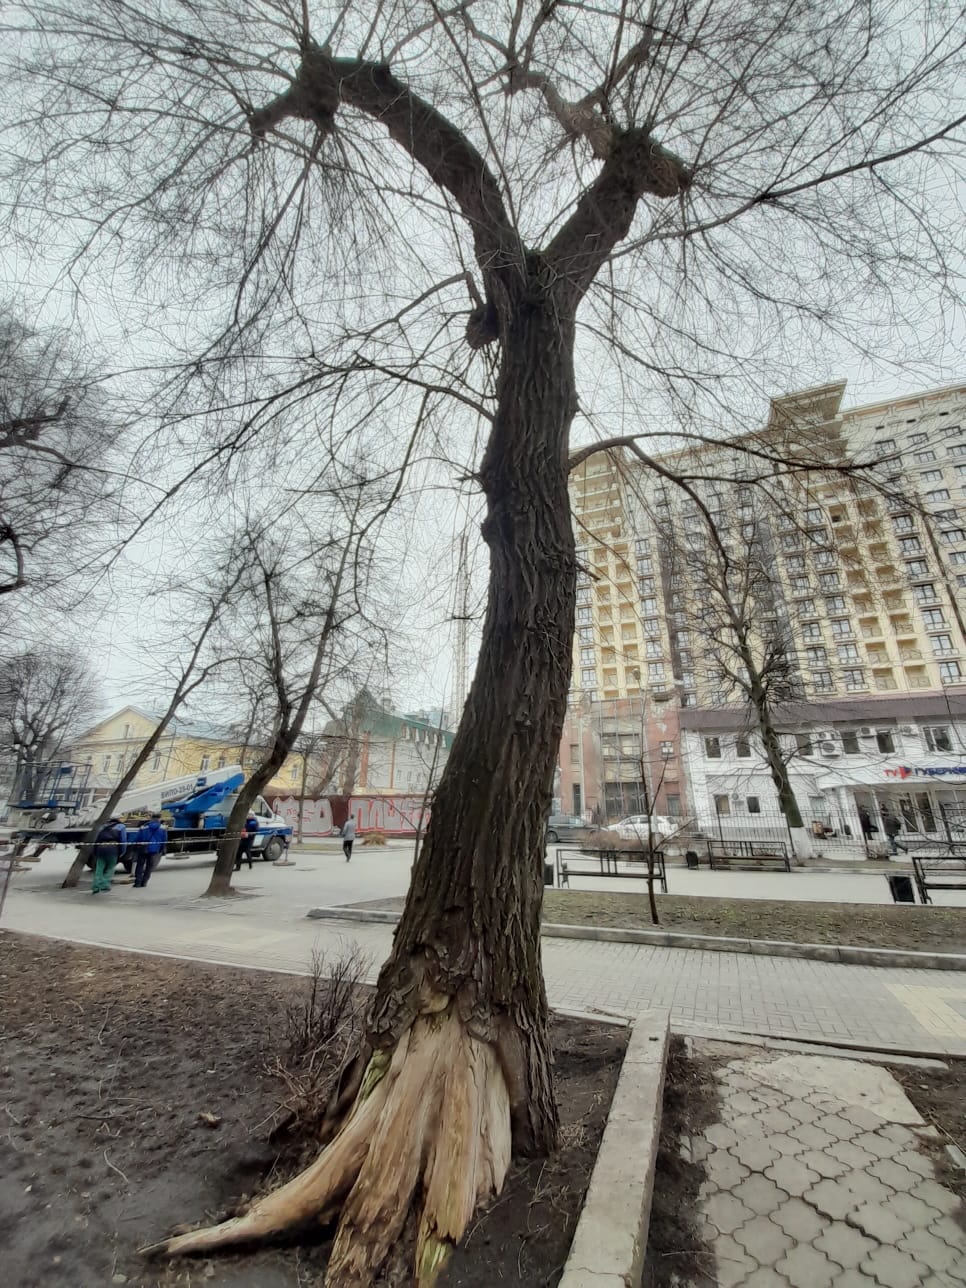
(460, 1061)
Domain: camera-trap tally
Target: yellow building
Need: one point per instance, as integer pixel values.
(185, 747)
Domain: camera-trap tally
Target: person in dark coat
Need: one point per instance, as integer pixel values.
(109, 848)
(892, 828)
(150, 840)
(246, 842)
(865, 820)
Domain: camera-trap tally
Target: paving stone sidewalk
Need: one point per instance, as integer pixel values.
(916, 1010)
(817, 1178)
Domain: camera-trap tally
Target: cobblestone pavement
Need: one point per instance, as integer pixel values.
(816, 1179)
(266, 926)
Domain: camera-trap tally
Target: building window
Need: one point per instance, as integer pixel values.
(754, 804)
(903, 523)
(801, 585)
(743, 747)
(848, 653)
(922, 458)
(106, 765)
(825, 559)
(822, 681)
(937, 738)
(673, 805)
(842, 628)
(953, 536)
(958, 557)
(295, 773)
(814, 515)
(917, 568)
(156, 762)
(655, 670)
(583, 595)
(205, 762)
(850, 742)
(934, 618)
(583, 615)
(932, 476)
(910, 546)
(828, 580)
(127, 732)
(816, 654)
(886, 445)
(949, 673)
(803, 744)
(588, 677)
(575, 753)
(587, 656)
(938, 494)
(689, 699)
(221, 762)
(941, 645)
(585, 634)
(648, 605)
(835, 604)
(854, 679)
(712, 748)
(806, 607)
(811, 631)
(795, 563)
(722, 805)
(884, 741)
(667, 750)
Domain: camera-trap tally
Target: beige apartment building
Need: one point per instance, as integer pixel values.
(848, 587)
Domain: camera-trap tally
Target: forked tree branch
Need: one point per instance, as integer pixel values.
(323, 84)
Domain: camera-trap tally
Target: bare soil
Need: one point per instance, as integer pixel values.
(676, 1251)
(940, 1096)
(865, 925)
(110, 1060)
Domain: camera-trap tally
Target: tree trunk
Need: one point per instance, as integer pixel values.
(778, 768)
(220, 883)
(471, 926)
(460, 1058)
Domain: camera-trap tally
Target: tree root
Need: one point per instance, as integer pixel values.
(431, 1117)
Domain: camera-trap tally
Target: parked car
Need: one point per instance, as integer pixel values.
(565, 827)
(634, 827)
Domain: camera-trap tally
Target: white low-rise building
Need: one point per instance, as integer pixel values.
(851, 765)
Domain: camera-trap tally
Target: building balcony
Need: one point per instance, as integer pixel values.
(918, 681)
(910, 654)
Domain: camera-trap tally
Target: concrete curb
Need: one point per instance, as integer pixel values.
(610, 1241)
(843, 954)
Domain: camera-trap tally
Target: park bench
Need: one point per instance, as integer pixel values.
(584, 862)
(938, 872)
(725, 853)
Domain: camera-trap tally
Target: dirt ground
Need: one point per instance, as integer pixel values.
(940, 1096)
(676, 1251)
(107, 1062)
(937, 930)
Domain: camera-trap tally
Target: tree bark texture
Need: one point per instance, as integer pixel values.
(471, 926)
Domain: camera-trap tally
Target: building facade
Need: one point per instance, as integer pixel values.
(185, 747)
(833, 595)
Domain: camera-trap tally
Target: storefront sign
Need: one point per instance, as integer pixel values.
(921, 771)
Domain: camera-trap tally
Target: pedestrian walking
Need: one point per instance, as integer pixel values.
(348, 835)
(247, 841)
(150, 841)
(109, 847)
(892, 828)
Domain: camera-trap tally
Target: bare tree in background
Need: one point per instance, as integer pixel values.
(299, 630)
(55, 441)
(627, 177)
(46, 695)
(190, 672)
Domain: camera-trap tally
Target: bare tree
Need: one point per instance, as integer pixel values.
(190, 672)
(303, 625)
(46, 695)
(55, 436)
(627, 174)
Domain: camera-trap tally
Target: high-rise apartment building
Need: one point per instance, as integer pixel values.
(837, 596)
